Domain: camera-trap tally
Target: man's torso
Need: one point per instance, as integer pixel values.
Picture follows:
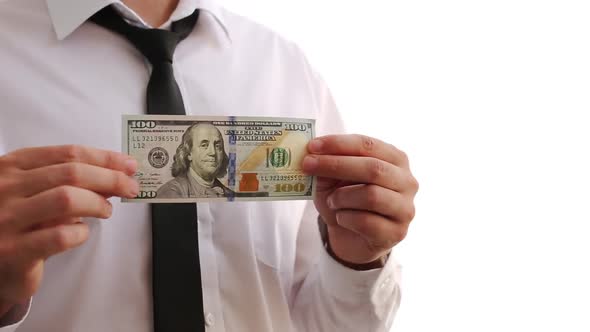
(74, 92)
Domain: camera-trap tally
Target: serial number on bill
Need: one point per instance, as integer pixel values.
(154, 138)
(283, 177)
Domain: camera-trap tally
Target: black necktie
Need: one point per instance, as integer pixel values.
(178, 298)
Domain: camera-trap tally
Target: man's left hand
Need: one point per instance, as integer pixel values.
(365, 194)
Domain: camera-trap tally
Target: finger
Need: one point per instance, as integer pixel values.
(326, 184)
(358, 145)
(56, 222)
(30, 158)
(59, 203)
(377, 230)
(50, 241)
(100, 180)
(356, 169)
(387, 203)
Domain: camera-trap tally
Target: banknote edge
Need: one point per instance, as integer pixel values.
(216, 199)
(127, 117)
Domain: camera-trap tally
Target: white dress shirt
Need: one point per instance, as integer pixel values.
(64, 80)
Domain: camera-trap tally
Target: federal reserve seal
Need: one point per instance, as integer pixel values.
(158, 157)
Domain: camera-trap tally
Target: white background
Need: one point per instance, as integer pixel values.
(490, 99)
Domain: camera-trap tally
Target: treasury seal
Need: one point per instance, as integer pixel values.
(158, 157)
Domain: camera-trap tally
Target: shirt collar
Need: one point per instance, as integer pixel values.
(68, 15)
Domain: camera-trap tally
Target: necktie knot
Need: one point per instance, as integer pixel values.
(156, 45)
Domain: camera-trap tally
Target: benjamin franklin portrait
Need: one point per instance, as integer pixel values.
(199, 162)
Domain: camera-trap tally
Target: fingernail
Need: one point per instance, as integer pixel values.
(109, 210)
(134, 189)
(310, 163)
(130, 166)
(330, 202)
(316, 145)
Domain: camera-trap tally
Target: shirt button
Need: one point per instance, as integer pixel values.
(209, 319)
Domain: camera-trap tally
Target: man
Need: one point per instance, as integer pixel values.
(65, 83)
(198, 163)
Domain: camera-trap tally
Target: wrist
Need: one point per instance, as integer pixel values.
(376, 264)
(13, 313)
(5, 308)
(324, 234)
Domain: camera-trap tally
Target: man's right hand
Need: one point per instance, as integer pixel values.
(44, 193)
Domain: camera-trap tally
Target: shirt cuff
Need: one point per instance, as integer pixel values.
(15, 316)
(376, 286)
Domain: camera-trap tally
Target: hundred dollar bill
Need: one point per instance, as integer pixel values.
(193, 158)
